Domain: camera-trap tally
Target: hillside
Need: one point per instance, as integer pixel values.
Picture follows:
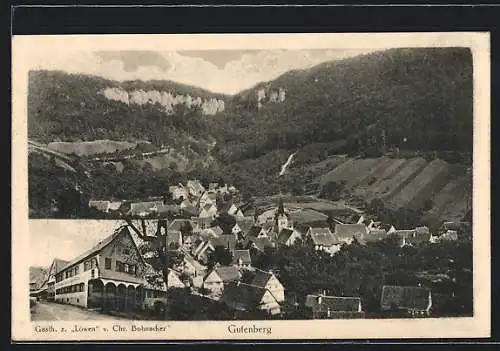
(338, 118)
(421, 94)
(74, 107)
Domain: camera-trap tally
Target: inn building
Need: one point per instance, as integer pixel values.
(110, 275)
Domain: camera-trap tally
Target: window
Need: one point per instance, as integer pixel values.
(119, 266)
(93, 263)
(86, 266)
(125, 268)
(107, 263)
(77, 269)
(133, 269)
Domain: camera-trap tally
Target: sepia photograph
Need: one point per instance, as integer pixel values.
(253, 183)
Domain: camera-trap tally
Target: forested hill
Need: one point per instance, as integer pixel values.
(77, 107)
(421, 98)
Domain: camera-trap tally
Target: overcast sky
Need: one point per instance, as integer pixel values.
(65, 239)
(223, 71)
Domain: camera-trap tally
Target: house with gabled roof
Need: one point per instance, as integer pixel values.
(412, 301)
(105, 276)
(287, 237)
(214, 281)
(142, 209)
(208, 211)
(261, 243)
(323, 239)
(56, 266)
(227, 241)
(346, 233)
(269, 281)
(333, 307)
(242, 259)
(256, 231)
(194, 187)
(100, 205)
(244, 297)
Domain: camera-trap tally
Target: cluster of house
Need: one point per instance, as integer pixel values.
(114, 275)
(189, 200)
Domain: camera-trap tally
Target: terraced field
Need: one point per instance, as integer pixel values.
(406, 183)
(422, 187)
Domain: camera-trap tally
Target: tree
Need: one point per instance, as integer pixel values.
(220, 255)
(186, 229)
(154, 235)
(226, 222)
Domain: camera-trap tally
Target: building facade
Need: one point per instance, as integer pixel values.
(108, 276)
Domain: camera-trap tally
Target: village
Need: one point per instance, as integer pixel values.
(216, 241)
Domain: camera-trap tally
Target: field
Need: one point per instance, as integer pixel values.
(408, 183)
(87, 148)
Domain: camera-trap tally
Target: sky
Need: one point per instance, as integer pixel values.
(65, 239)
(220, 71)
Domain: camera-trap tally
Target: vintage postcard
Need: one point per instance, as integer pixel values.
(251, 186)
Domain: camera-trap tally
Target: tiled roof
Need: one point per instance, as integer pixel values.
(261, 278)
(284, 235)
(228, 273)
(405, 297)
(139, 207)
(262, 243)
(320, 303)
(245, 223)
(98, 247)
(254, 231)
(347, 231)
(244, 255)
(226, 240)
(324, 238)
(100, 205)
(242, 296)
(375, 235)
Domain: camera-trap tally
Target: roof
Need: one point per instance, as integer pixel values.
(332, 303)
(174, 236)
(139, 207)
(197, 265)
(254, 231)
(245, 223)
(375, 235)
(59, 264)
(225, 206)
(320, 230)
(267, 226)
(460, 227)
(226, 240)
(164, 208)
(284, 235)
(227, 273)
(100, 205)
(244, 255)
(324, 238)
(241, 296)
(261, 277)
(262, 243)
(98, 247)
(405, 297)
(422, 231)
(345, 231)
(217, 230)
